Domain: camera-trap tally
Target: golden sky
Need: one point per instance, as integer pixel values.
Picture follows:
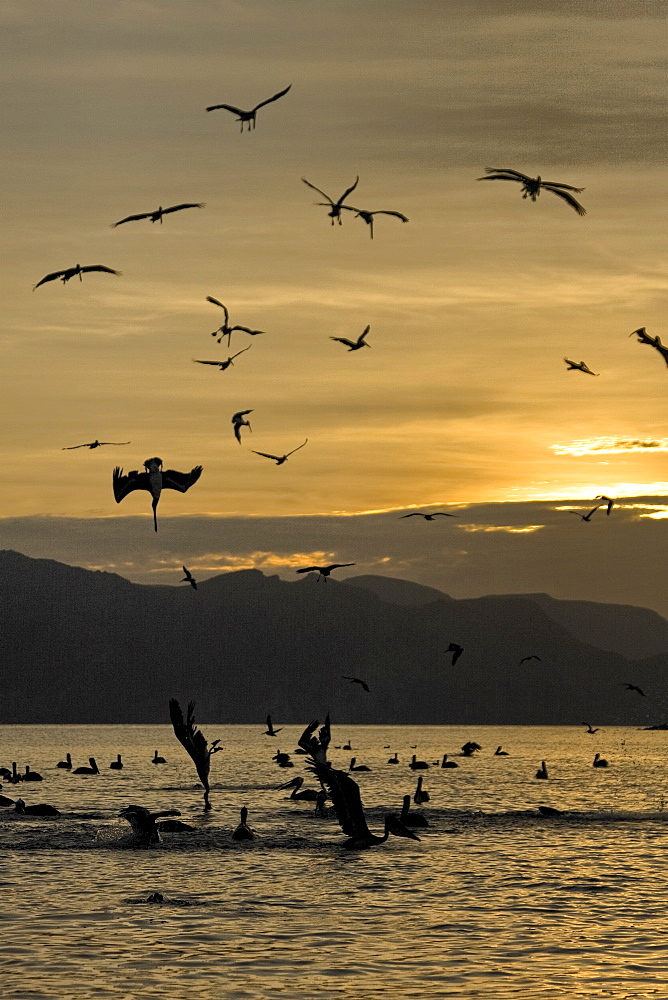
(464, 396)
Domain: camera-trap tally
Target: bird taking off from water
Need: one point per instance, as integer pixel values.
(634, 687)
(248, 116)
(157, 214)
(71, 272)
(586, 517)
(323, 571)
(428, 517)
(354, 680)
(93, 444)
(154, 480)
(270, 731)
(367, 217)
(590, 729)
(456, 651)
(354, 345)
(609, 500)
(579, 366)
(280, 459)
(226, 330)
(238, 422)
(223, 365)
(531, 186)
(335, 207)
(189, 578)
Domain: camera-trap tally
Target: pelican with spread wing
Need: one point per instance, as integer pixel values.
(71, 272)
(226, 330)
(367, 217)
(154, 480)
(157, 214)
(532, 186)
(335, 207)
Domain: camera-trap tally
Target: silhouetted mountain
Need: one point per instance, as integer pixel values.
(82, 646)
(394, 591)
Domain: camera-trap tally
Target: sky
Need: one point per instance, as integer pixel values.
(463, 398)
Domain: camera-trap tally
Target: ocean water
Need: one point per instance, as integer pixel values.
(495, 901)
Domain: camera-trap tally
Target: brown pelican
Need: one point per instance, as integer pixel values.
(527, 659)
(411, 818)
(71, 272)
(395, 759)
(531, 186)
(157, 759)
(154, 480)
(634, 687)
(354, 345)
(189, 578)
(418, 765)
(93, 769)
(324, 571)
(248, 116)
(223, 365)
(321, 810)
(281, 758)
(469, 748)
(307, 795)
(420, 795)
(143, 823)
(334, 206)
(116, 765)
(280, 459)
(316, 746)
(65, 764)
(585, 517)
(367, 217)
(549, 811)
(542, 771)
(94, 444)
(354, 766)
(448, 763)
(41, 809)
(590, 728)
(579, 366)
(456, 651)
(32, 775)
(194, 743)
(599, 761)
(655, 342)
(243, 831)
(429, 517)
(270, 731)
(226, 330)
(4, 800)
(238, 422)
(156, 216)
(173, 826)
(609, 500)
(500, 752)
(356, 680)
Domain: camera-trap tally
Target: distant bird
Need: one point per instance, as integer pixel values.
(429, 517)
(143, 824)
(32, 775)
(456, 651)
(154, 480)
(4, 800)
(243, 831)
(409, 818)
(280, 459)
(368, 216)
(549, 811)
(599, 761)
(226, 330)
(470, 748)
(116, 765)
(420, 794)
(194, 743)
(173, 826)
(586, 517)
(354, 766)
(655, 342)
(189, 578)
(579, 366)
(324, 572)
(531, 186)
(157, 214)
(281, 758)
(394, 759)
(542, 771)
(500, 752)
(157, 759)
(238, 422)
(335, 207)
(609, 500)
(418, 765)
(94, 444)
(356, 680)
(223, 365)
(248, 116)
(448, 763)
(305, 795)
(270, 731)
(66, 764)
(71, 272)
(590, 729)
(634, 687)
(526, 659)
(41, 809)
(93, 769)
(354, 345)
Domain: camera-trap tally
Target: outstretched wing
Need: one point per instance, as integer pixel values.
(441, 513)
(181, 481)
(123, 485)
(240, 352)
(100, 267)
(73, 447)
(348, 191)
(265, 455)
(363, 334)
(114, 442)
(343, 340)
(197, 361)
(345, 794)
(397, 215)
(515, 175)
(306, 569)
(568, 198)
(339, 565)
(554, 184)
(244, 329)
(318, 190)
(414, 514)
(227, 107)
(187, 204)
(52, 277)
(297, 448)
(274, 98)
(191, 739)
(132, 218)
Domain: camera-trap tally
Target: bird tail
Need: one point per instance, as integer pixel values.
(154, 505)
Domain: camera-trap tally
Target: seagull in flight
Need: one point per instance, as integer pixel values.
(270, 731)
(579, 366)
(238, 422)
(156, 216)
(93, 444)
(354, 345)
(586, 517)
(456, 651)
(189, 578)
(428, 517)
(527, 659)
(223, 365)
(335, 207)
(531, 186)
(590, 728)
(323, 571)
(353, 680)
(279, 459)
(248, 116)
(609, 500)
(226, 330)
(634, 687)
(367, 217)
(655, 342)
(71, 272)
(154, 480)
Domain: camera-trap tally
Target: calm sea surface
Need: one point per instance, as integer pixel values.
(496, 901)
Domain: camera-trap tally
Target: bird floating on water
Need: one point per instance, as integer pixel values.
(599, 761)
(456, 651)
(154, 480)
(367, 217)
(500, 752)
(420, 794)
(580, 366)
(356, 680)
(532, 186)
(542, 771)
(116, 765)
(157, 214)
(280, 459)
(223, 365)
(94, 444)
(428, 517)
(324, 572)
(93, 769)
(226, 330)
(354, 345)
(66, 764)
(299, 794)
(40, 809)
(71, 272)
(354, 766)
(248, 117)
(243, 831)
(189, 578)
(409, 818)
(335, 207)
(238, 422)
(418, 765)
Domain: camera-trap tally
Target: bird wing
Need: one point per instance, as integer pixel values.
(363, 334)
(240, 352)
(663, 351)
(347, 191)
(237, 432)
(100, 267)
(345, 795)
(306, 569)
(132, 218)
(297, 448)
(123, 485)
(397, 215)
(186, 204)
(227, 107)
(73, 447)
(241, 413)
(565, 196)
(344, 340)
(181, 481)
(266, 455)
(188, 574)
(245, 329)
(114, 442)
(441, 513)
(199, 362)
(215, 302)
(274, 98)
(318, 190)
(191, 739)
(554, 184)
(414, 514)
(514, 174)
(52, 277)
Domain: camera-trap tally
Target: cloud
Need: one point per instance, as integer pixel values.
(511, 529)
(609, 446)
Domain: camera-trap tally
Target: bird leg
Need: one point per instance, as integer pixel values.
(154, 506)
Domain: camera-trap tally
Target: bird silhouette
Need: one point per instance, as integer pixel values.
(335, 207)
(580, 366)
(143, 824)
(226, 330)
(429, 517)
(280, 459)
(238, 422)
(194, 743)
(590, 729)
(456, 651)
(71, 272)
(189, 578)
(609, 500)
(354, 345)
(588, 516)
(157, 214)
(324, 571)
(526, 659)
(599, 761)
(248, 116)
(655, 342)
(94, 444)
(243, 831)
(634, 687)
(223, 365)
(355, 680)
(154, 480)
(270, 731)
(367, 217)
(532, 186)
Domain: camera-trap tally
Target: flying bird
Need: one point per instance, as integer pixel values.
(354, 345)
(280, 459)
(189, 578)
(71, 272)
(609, 500)
(353, 680)
(525, 659)
(154, 480)
(156, 216)
(238, 422)
(429, 517)
(655, 342)
(323, 571)
(456, 651)
(634, 687)
(586, 517)
(223, 365)
(226, 330)
(194, 742)
(531, 186)
(579, 366)
(590, 729)
(248, 116)
(93, 444)
(335, 207)
(367, 217)
(270, 731)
